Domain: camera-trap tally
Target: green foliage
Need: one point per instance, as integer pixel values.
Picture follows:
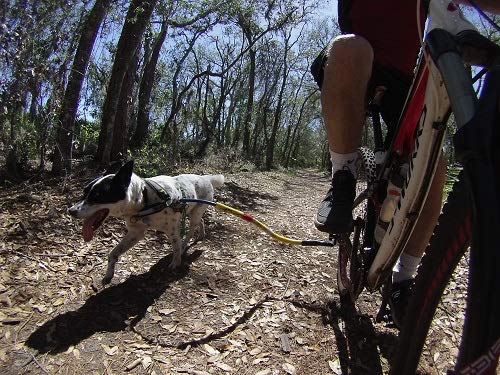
(451, 177)
(87, 134)
(150, 161)
(26, 139)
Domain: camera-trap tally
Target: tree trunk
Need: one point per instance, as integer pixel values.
(261, 121)
(176, 103)
(291, 112)
(146, 87)
(11, 162)
(205, 122)
(235, 97)
(271, 144)
(288, 151)
(137, 17)
(123, 114)
(249, 109)
(246, 26)
(64, 135)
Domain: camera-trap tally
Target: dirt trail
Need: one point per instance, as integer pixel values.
(242, 303)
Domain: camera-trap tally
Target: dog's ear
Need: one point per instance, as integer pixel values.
(113, 168)
(124, 175)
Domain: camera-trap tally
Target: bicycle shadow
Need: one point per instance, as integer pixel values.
(110, 310)
(361, 348)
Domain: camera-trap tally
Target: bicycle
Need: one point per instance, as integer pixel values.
(442, 85)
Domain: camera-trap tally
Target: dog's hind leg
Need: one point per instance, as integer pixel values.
(177, 252)
(173, 231)
(126, 243)
(196, 225)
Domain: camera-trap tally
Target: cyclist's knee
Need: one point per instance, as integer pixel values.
(352, 50)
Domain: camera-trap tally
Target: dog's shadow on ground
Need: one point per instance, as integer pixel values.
(111, 310)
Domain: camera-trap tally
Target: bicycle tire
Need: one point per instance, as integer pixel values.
(447, 246)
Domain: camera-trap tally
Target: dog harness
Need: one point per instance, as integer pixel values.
(166, 201)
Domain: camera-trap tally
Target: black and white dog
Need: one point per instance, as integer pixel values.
(141, 203)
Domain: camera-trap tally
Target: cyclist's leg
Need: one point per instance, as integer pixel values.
(346, 74)
(406, 267)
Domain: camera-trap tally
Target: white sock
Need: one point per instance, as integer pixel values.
(405, 268)
(343, 161)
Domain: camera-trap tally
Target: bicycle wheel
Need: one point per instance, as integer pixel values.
(351, 267)
(432, 331)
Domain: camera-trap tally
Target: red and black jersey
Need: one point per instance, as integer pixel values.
(390, 26)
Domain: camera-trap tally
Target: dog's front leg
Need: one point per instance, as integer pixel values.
(126, 243)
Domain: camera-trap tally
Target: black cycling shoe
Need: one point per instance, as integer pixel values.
(400, 296)
(335, 212)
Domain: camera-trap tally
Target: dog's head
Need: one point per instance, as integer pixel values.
(106, 195)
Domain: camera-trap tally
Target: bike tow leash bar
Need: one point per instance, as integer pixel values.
(258, 223)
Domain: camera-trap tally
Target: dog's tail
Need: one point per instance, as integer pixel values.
(216, 180)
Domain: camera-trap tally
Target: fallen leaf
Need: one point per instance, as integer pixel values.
(161, 359)
(224, 367)
(146, 362)
(289, 368)
(40, 308)
(255, 351)
(210, 350)
(436, 356)
(335, 366)
(300, 340)
(3, 356)
(70, 349)
(235, 343)
(166, 311)
(5, 300)
(10, 321)
(133, 364)
(259, 360)
(110, 350)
